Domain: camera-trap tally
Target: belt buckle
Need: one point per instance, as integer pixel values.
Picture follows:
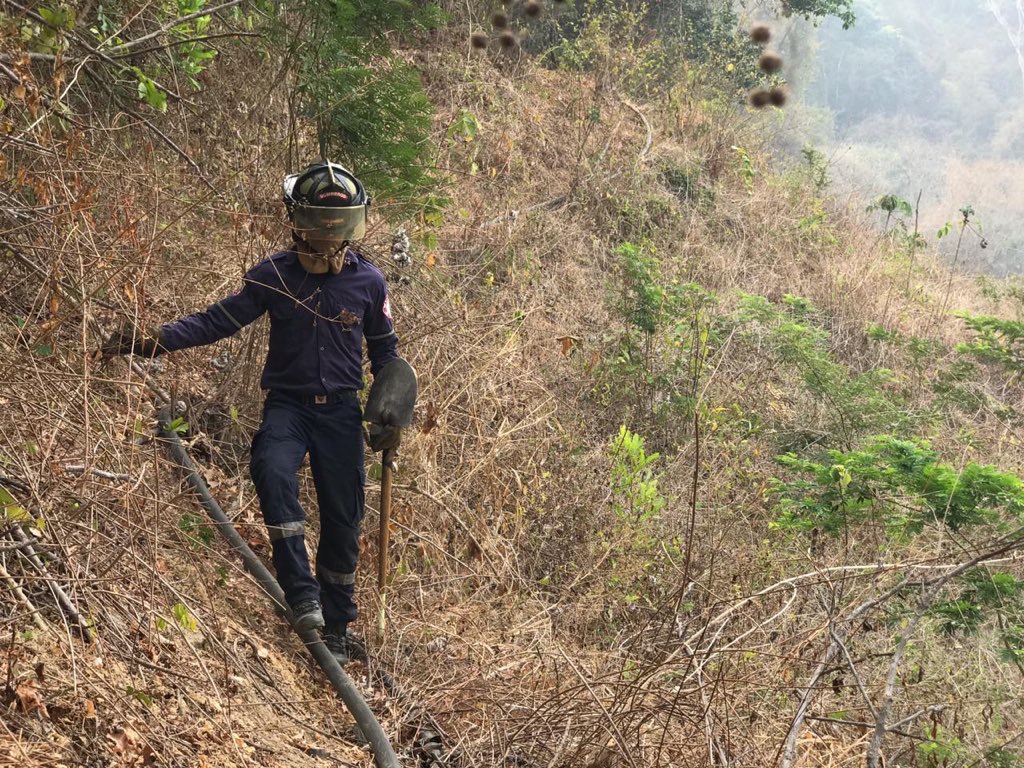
(319, 399)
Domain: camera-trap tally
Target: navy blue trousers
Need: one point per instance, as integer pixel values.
(332, 436)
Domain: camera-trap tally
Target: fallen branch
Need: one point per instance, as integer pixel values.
(788, 748)
(22, 598)
(81, 469)
(647, 124)
(60, 596)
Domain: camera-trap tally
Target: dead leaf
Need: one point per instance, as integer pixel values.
(54, 303)
(121, 741)
(569, 343)
(30, 699)
(430, 421)
(48, 326)
(242, 745)
(207, 729)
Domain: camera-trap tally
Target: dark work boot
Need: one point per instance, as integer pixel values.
(343, 646)
(307, 615)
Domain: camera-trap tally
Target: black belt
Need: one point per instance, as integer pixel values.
(331, 398)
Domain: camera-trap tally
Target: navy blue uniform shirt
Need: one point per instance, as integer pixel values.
(317, 323)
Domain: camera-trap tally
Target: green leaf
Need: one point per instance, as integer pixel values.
(178, 426)
(150, 92)
(142, 696)
(184, 618)
(61, 17)
(464, 127)
(11, 510)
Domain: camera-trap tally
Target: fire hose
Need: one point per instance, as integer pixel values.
(383, 752)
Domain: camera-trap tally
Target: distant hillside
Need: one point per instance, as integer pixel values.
(925, 98)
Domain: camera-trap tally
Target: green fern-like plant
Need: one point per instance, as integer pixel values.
(369, 106)
(998, 342)
(900, 483)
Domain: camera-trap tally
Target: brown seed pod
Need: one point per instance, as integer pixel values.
(760, 99)
(508, 39)
(532, 9)
(499, 20)
(777, 96)
(770, 62)
(761, 34)
(478, 39)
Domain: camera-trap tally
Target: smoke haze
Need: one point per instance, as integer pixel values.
(924, 96)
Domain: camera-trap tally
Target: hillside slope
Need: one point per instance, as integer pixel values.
(622, 317)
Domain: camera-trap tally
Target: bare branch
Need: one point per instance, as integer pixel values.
(179, 21)
(935, 586)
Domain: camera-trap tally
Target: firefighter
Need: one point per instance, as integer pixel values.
(324, 300)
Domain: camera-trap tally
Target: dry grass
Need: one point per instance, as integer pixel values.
(504, 621)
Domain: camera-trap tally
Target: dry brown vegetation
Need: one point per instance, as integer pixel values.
(533, 626)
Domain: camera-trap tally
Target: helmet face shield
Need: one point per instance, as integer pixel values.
(347, 223)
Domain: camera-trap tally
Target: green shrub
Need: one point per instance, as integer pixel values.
(657, 358)
(790, 338)
(635, 495)
(997, 342)
(899, 483)
(369, 106)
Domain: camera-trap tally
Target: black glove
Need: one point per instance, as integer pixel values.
(132, 340)
(383, 437)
